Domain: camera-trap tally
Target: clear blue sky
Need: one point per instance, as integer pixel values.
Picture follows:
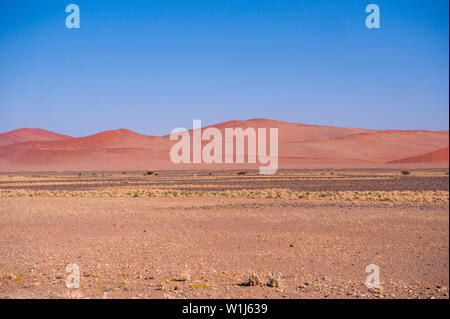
(151, 66)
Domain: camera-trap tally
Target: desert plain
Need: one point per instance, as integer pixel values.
(225, 234)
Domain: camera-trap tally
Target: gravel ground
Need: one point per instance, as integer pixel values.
(313, 181)
(213, 247)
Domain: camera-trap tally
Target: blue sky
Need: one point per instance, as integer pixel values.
(151, 66)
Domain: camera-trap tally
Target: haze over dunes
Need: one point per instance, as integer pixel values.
(300, 146)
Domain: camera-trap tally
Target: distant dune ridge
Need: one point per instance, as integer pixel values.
(29, 135)
(300, 146)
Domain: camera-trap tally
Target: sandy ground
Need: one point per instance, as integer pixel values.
(222, 247)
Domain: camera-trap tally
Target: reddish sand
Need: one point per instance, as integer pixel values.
(439, 156)
(300, 146)
(29, 135)
(210, 247)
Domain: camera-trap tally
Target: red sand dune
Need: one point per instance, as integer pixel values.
(300, 146)
(292, 132)
(438, 156)
(29, 135)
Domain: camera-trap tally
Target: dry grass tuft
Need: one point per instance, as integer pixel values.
(253, 280)
(269, 280)
(273, 281)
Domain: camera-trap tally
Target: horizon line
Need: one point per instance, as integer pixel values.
(228, 121)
